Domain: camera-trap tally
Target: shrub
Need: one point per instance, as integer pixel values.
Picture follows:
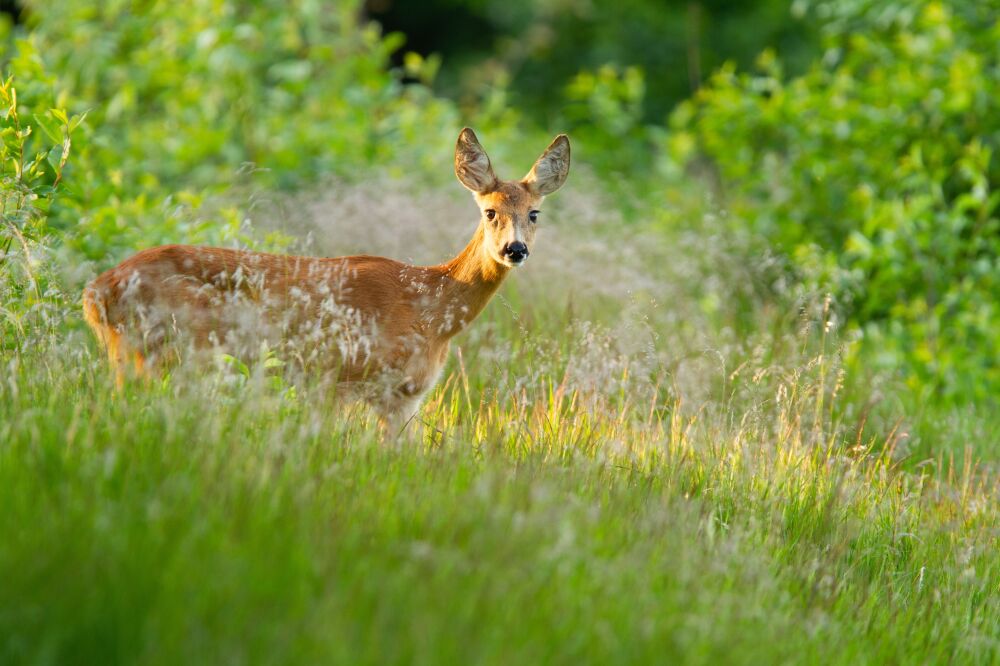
(874, 173)
(34, 149)
(187, 99)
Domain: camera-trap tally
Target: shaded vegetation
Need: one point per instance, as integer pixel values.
(537, 47)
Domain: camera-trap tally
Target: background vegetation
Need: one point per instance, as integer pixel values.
(740, 406)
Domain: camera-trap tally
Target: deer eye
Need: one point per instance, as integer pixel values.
(490, 213)
(533, 216)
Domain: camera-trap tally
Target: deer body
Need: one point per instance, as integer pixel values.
(376, 326)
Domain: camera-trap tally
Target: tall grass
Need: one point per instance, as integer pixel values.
(608, 473)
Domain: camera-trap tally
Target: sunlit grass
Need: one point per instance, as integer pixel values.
(216, 520)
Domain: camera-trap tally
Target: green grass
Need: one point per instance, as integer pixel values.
(224, 520)
(632, 457)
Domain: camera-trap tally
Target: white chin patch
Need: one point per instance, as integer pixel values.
(506, 261)
(510, 263)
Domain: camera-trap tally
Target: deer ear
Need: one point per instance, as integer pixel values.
(551, 169)
(472, 164)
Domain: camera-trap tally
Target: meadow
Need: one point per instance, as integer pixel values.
(664, 441)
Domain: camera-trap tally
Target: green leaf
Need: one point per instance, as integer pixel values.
(59, 115)
(51, 130)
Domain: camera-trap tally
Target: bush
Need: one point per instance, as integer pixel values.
(187, 99)
(874, 172)
(34, 149)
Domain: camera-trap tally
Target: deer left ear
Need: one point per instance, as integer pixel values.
(551, 169)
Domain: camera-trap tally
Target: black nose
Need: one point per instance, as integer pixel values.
(517, 251)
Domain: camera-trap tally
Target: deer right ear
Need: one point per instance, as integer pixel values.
(472, 164)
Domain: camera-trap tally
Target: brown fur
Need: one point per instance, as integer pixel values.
(369, 321)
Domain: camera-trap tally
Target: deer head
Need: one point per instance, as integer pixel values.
(509, 209)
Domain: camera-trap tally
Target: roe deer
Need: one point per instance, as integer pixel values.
(369, 323)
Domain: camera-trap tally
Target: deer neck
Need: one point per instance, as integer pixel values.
(472, 278)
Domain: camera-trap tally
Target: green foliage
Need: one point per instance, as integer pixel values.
(186, 100)
(603, 110)
(34, 149)
(876, 174)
